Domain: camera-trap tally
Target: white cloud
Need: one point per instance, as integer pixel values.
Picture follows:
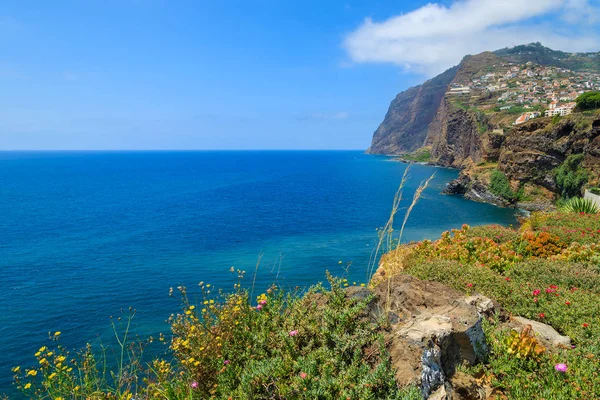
(581, 11)
(435, 37)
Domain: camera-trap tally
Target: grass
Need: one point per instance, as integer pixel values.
(421, 155)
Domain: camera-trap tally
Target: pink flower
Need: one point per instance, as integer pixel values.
(259, 307)
(585, 325)
(469, 285)
(567, 302)
(542, 315)
(536, 292)
(303, 375)
(226, 362)
(293, 333)
(561, 367)
(262, 302)
(194, 385)
(535, 300)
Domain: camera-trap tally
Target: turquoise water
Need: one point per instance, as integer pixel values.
(85, 234)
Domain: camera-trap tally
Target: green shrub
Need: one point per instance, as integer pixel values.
(588, 101)
(500, 186)
(570, 177)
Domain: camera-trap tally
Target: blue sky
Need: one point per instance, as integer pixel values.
(152, 74)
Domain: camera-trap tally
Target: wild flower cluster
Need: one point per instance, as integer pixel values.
(553, 277)
(236, 345)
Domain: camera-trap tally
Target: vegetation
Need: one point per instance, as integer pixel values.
(588, 101)
(580, 205)
(276, 345)
(570, 177)
(500, 186)
(549, 271)
(421, 155)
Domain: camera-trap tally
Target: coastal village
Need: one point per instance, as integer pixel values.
(535, 90)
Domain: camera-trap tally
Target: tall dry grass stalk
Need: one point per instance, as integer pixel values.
(386, 235)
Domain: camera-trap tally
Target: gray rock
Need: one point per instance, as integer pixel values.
(484, 305)
(435, 329)
(545, 333)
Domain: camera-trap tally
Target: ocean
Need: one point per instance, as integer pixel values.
(84, 235)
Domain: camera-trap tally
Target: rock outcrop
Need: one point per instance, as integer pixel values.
(433, 329)
(529, 154)
(454, 137)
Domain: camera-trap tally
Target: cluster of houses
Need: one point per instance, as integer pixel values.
(528, 86)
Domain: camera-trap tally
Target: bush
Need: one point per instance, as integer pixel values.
(588, 101)
(500, 186)
(570, 177)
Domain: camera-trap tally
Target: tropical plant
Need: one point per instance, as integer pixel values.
(581, 205)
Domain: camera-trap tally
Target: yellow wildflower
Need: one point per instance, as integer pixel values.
(27, 386)
(16, 369)
(32, 372)
(56, 334)
(52, 375)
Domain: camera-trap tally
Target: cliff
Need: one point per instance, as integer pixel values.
(484, 114)
(407, 121)
(528, 156)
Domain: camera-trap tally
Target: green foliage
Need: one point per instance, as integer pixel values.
(556, 119)
(420, 155)
(580, 205)
(588, 101)
(595, 190)
(500, 186)
(570, 177)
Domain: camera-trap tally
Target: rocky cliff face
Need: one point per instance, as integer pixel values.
(529, 154)
(407, 121)
(473, 129)
(425, 116)
(531, 151)
(454, 137)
